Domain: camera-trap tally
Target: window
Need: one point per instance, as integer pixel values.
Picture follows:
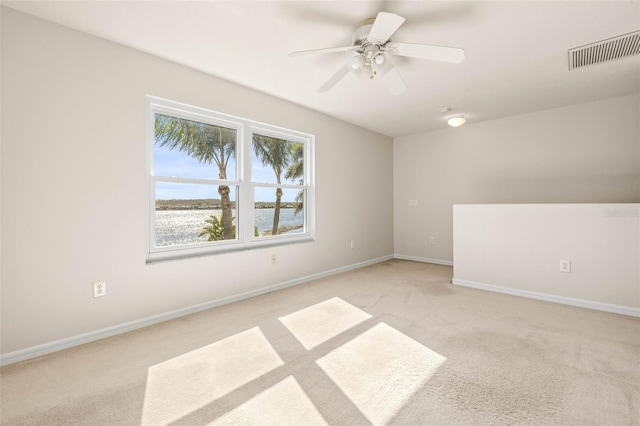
(219, 183)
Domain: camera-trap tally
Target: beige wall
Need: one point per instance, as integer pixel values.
(518, 248)
(74, 187)
(586, 153)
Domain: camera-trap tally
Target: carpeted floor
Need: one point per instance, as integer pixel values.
(393, 343)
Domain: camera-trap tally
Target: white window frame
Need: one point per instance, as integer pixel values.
(245, 187)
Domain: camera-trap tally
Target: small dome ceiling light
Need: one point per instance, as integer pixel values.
(456, 121)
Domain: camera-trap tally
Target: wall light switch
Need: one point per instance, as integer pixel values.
(565, 266)
(413, 203)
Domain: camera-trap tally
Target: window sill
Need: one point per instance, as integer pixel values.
(190, 253)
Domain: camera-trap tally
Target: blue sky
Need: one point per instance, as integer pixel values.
(178, 164)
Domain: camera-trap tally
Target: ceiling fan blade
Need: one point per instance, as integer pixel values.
(384, 26)
(327, 50)
(454, 55)
(334, 79)
(394, 81)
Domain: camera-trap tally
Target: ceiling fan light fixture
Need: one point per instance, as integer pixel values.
(456, 121)
(356, 62)
(358, 66)
(382, 64)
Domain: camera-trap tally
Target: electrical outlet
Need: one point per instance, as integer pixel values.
(274, 259)
(413, 203)
(99, 288)
(432, 240)
(565, 266)
(353, 244)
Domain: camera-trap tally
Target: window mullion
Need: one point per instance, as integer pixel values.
(195, 180)
(247, 189)
(279, 185)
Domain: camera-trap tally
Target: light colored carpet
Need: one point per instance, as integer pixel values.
(393, 343)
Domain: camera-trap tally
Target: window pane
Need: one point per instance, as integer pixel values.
(189, 149)
(277, 161)
(195, 171)
(193, 213)
(288, 219)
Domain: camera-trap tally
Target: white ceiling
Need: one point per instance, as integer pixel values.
(516, 52)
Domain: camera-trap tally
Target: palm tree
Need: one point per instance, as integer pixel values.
(277, 154)
(206, 143)
(296, 171)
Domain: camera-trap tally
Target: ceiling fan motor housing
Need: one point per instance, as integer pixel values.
(360, 35)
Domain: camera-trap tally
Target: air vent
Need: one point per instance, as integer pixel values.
(605, 50)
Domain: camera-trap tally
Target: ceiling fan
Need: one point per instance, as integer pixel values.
(372, 42)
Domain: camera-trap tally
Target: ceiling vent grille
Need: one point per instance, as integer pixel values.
(605, 50)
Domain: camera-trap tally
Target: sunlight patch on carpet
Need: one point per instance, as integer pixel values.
(184, 384)
(319, 323)
(380, 369)
(284, 403)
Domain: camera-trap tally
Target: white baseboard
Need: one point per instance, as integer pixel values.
(70, 342)
(423, 259)
(598, 306)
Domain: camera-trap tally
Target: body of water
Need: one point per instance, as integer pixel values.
(177, 227)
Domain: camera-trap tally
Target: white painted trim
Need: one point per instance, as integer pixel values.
(423, 259)
(589, 304)
(58, 345)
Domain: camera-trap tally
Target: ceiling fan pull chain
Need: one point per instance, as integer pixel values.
(374, 71)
